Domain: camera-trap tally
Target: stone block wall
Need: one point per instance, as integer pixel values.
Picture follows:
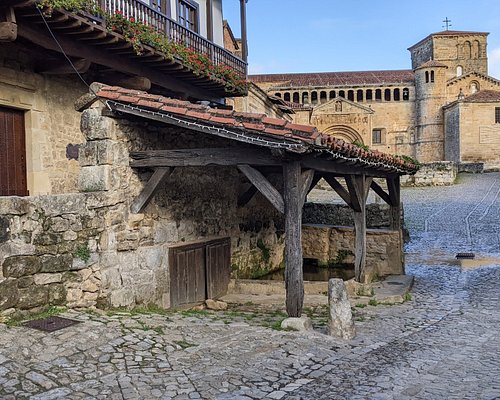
(87, 249)
(441, 173)
(333, 244)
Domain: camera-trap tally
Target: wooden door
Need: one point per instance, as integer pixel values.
(187, 275)
(218, 267)
(12, 153)
(199, 271)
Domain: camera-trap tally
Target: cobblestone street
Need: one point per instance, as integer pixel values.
(442, 344)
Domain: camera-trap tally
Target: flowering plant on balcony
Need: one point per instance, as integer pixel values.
(138, 34)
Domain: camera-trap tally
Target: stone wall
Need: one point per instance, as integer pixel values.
(335, 244)
(87, 249)
(441, 173)
(51, 122)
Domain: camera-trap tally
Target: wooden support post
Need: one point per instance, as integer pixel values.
(147, 193)
(294, 280)
(264, 186)
(393, 184)
(306, 182)
(359, 187)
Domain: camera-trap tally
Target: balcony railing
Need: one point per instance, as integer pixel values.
(175, 32)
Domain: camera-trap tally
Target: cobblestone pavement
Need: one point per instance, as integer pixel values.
(442, 344)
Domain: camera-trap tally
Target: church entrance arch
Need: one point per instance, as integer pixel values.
(345, 133)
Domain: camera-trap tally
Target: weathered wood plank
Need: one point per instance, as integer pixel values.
(316, 179)
(202, 157)
(360, 186)
(294, 280)
(248, 195)
(306, 180)
(147, 193)
(339, 189)
(264, 186)
(382, 194)
(394, 186)
(336, 167)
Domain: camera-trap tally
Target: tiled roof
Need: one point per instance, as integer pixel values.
(432, 64)
(337, 78)
(257, 125)
(484, 96)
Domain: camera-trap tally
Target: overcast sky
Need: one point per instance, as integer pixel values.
(354, 35)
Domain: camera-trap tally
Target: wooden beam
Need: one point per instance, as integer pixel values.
(8, 31)
(264, 186)
(202, 157)
(294, 279)
(103, 57)
(130, 82)
(306, 179)
(338, 188)
(64, 67)
(245, 198)
(316, 179)
(394, 186)
(382, 194)
(336, 167)
(360, 188)
(149, 190)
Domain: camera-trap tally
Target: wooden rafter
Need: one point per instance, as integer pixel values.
(306, 179)
(381, 192)
(264, 186)
(338, 188)
(149, 190)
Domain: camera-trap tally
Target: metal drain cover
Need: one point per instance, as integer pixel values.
(51, 324)
(465, 255)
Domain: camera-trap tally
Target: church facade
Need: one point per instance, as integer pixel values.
(446, 108)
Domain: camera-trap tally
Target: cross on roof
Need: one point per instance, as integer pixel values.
(447, 22)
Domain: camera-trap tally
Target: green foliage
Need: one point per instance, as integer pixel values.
(83, 253)
(373, 302)
(266, 254)
(18, 320)
(361, 145)
(360, 305)
(409, 159)
(407, 296)
(184, 344)
(341, 257)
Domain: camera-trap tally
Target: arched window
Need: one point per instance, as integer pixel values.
(467, 50)
(397, 95)
(277, 95)
(475, 49)
(350, 95)
(406, 94)
(359, 95)
(369, 95)
(296, 97)
(333, 94)
(341, 93)
(474, 87)
(286, 96)
(432, 76)
(387, 95)
(322, 97)
(426, 76)
(460, 70)
(314, 97)
(378, 95)
(305, 98)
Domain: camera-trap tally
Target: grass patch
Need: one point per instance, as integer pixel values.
(184, 344)
(140, 310)
(18, 320)
(360, 305)
(407, 296)
(195, 313)
(373, 302)
(83, 253)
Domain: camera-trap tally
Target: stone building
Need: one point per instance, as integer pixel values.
(405, 111)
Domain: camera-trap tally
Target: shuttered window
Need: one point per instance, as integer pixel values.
(12, 153)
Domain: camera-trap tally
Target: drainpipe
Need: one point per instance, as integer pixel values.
(244, 43)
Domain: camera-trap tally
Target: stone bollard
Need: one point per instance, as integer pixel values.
(340, 322)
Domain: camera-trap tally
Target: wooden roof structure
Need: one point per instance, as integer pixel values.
(301, 153)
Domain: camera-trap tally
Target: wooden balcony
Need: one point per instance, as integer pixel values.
(80, 30)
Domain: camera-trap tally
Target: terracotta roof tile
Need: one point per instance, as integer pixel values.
(484, 96)
(175, 110)
(312, 140)
(336, 78)
(222, 120)
(150, 104)
(274, 121)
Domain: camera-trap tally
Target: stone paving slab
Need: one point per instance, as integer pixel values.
(441, 344)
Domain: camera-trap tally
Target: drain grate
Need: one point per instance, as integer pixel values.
(51, 324)
(465, 255)
(394, 283)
